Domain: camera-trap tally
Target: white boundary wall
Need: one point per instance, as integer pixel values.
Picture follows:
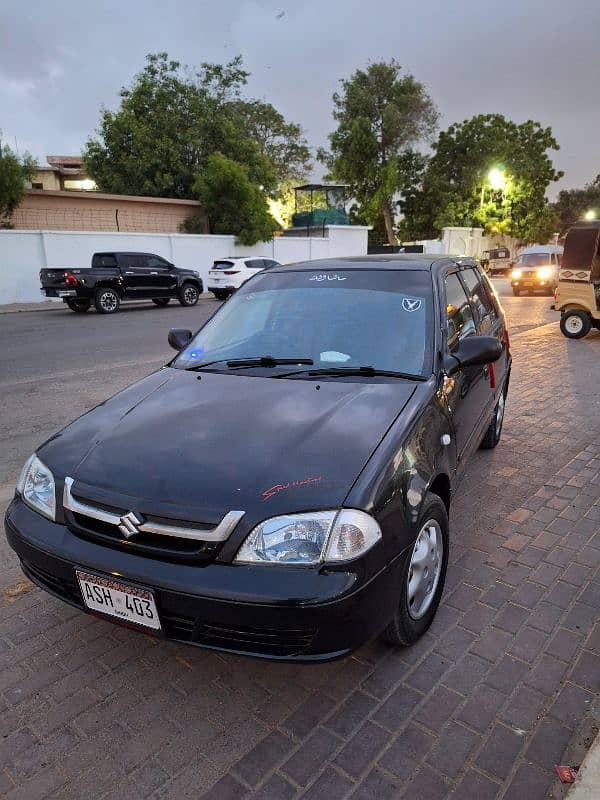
(24, 253)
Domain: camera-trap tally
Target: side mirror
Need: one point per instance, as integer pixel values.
(474, 351)
(179, 338)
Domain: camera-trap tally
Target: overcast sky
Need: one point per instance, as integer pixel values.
(540, 59)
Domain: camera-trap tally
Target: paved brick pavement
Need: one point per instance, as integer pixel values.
(481, 708)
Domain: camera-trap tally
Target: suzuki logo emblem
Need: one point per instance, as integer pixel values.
(411, 305)
(130, 525)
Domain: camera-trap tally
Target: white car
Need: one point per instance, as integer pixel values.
(228, 274)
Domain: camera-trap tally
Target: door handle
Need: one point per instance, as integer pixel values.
(154, 273)
(129, 273)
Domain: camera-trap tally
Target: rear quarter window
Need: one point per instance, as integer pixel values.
(104, 260)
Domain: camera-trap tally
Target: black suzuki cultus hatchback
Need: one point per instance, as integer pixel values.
(282, 487)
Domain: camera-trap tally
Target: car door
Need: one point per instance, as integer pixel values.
(252, 266)
(490, 322)
(133, 275)
(162, 278)
(467, 391)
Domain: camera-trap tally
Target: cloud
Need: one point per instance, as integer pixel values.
(60, 62)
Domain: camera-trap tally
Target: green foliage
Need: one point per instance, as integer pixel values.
(15, 172)
(453, 187)
(381, 114)
(170, 121)
(281, 143)
(194, 224)
(233, 204)
(572, 204)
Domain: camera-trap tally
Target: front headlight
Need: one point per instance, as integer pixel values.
(320, 536)
(36, 487)
(544, 273)
(516, 274)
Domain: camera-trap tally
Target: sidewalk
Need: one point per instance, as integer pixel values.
(482, 707)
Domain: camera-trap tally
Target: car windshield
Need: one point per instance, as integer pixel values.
(533, 260)
(345, 318)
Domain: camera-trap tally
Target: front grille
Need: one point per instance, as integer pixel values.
(167, 548)
(65, 588)
(266, 641)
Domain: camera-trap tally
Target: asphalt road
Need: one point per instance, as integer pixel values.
(55, 365)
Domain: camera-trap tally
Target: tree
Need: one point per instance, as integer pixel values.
(15, 172)
(485, 172)
(281, 142)
(572, 204)
(233, 204)
(171, 120)
(381, 114)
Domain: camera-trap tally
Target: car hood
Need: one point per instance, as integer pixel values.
(204, 445)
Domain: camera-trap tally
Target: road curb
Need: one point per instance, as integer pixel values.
(587, 785)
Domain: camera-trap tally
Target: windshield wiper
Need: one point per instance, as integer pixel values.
(260, 361)
(266, 361)
(366, 371)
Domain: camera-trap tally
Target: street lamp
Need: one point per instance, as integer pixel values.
(590, 215)
(497, 179)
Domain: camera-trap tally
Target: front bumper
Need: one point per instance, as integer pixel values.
(279, 613)
(534, 283)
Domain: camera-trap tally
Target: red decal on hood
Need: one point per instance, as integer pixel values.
(282, 487)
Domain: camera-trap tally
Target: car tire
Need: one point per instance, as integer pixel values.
(107, 301)
(575, 324)
(161, 301)
(79, 306)
(409, 622)
(220, 295)
(189, 294)
(516, 291)
(494, 431)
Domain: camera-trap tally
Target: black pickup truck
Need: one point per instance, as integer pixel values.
(115, 277)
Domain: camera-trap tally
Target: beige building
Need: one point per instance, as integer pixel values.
(63, 173)
(71, 210)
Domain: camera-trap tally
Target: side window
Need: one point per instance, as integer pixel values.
(155, 262)
(458, 312)
(558, 258)
(255, 263)
(480, 298)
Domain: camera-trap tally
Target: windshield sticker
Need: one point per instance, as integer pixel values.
(282, 487)
(411, 304)
(326, 276)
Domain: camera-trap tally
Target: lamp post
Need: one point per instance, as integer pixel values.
(496, 178)
(590, 215)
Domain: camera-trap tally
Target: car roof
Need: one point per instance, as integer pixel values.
(542, 248)
(242, 258)
(400, 261)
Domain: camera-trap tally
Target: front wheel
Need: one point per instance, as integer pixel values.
(575, 324)
(220, 294)
(161, 301)
(107, 301)
(80, 306)
(423, 576)
(189, 294)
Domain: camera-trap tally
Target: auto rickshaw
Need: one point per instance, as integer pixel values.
(577, 296)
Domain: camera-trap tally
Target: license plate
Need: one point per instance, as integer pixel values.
(116, 599)
(67, 293)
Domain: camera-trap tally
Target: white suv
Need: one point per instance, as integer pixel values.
(228, 274)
